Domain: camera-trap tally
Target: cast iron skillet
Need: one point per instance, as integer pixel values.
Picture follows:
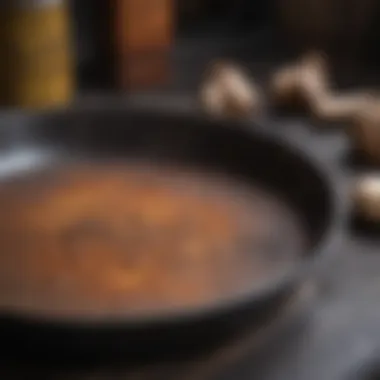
(47, 140)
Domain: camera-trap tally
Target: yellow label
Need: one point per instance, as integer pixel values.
(39, 55)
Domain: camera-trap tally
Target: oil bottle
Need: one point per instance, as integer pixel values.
(143, 39)
(38, 61)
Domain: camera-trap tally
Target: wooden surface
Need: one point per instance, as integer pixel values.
(143, 37)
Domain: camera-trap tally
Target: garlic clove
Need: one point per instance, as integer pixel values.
(365, 131)
(366, 195)
(228, 91)
(316, 62)
(284, 86)
(302, 82)
(211, 98)
(340, 108)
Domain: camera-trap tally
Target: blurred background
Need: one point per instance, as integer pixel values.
(56, 53)
(53, 50)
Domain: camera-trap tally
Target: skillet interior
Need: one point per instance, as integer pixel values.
(81, 136)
